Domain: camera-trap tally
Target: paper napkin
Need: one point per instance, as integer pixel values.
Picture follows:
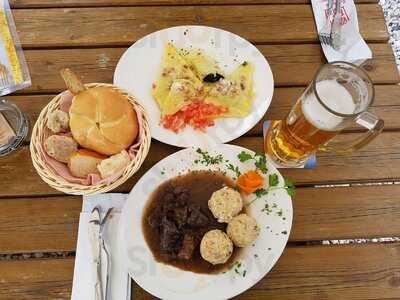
(354, 49)
(83, 283)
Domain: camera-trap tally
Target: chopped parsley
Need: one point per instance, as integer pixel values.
(273, 180)
(234, 169)
(244, 156)
(236, 267)
(261, 192)
(256, 255)
(267, 209)
(261, 162)
(279, 213)
(208, 159)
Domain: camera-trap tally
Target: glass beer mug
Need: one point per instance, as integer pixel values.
(338, 97)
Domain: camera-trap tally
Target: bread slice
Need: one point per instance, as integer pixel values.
(84, 162)
(113, 164)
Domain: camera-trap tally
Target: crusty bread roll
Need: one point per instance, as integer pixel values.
(60, 147)
(84, 162)
(113, 164)
(102, 119)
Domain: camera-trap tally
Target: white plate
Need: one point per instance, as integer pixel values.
(168, 282)
(139, 67)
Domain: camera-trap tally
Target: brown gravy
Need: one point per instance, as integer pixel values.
(201, 185)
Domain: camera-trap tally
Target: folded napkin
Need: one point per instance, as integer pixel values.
(83, 283)
(354, 49)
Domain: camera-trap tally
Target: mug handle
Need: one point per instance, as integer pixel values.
(366, 120)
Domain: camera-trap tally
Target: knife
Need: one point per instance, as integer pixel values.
(95, 241)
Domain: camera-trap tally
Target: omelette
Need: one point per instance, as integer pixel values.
(192, 90)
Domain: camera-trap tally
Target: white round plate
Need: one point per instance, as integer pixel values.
(140, 65)
(167, 282)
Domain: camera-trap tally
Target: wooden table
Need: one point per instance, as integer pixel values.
(90, 36)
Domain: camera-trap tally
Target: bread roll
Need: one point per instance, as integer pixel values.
(84, 162)
(102, 119)
(113, 164)
(60, 147)
(58, 121)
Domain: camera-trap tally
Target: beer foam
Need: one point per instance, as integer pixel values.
(336, 97)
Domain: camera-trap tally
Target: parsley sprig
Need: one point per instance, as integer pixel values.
(260, 160)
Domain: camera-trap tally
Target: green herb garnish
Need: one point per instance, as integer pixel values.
(244, 156)
(284, 232)
(273, 180)
(289, 187)
(261, 192)
(261, 162)
(208, 159)
(235, 169)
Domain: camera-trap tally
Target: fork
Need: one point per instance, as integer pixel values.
(325, 33)
(4, 81)
(336, 27)
(106, 250)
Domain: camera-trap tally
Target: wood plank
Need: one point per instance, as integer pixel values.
(95, 3)
(36, 279)
(379, 161)
(386, 106)
(98, 65)
(351, 271)
(344, 272)
(346, 212)
(122, 25)
(39, 224)
(51, 224)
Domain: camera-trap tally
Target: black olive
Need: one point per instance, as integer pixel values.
(212, 77)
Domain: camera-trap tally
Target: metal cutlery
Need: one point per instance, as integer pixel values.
(330, 34)
(96, 232)
(336, 27)
(325, 33)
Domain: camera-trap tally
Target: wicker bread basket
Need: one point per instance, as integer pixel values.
(40, 132)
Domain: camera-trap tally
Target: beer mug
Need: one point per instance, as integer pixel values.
(338, 97)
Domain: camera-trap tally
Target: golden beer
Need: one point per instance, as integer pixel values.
(296, 141)
(340, 94)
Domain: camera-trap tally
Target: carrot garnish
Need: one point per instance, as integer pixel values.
(250, 181)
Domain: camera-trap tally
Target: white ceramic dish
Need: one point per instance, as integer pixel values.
(139, 67)
(167, 282)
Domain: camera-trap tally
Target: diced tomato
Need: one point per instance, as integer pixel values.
(199, 115)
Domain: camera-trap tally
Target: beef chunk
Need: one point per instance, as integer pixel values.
(189, 243)
(180, 215)
(197, 217)
(154, 219)
(169, 235)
